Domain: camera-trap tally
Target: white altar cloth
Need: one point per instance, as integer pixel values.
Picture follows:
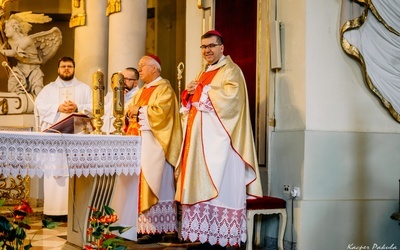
(95, 157)
(38, 153)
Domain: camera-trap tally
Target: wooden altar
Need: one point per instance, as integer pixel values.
(93, 164)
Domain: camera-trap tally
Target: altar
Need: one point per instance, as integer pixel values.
(93, 163)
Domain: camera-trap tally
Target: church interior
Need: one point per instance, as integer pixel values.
(322, 80)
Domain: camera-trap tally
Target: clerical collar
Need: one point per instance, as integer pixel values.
(65, 83)
(214, 65)
(153, 82)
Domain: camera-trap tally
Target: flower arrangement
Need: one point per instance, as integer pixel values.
(12, 234)
(99, 231)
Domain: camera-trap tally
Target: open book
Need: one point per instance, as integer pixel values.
(74, 123)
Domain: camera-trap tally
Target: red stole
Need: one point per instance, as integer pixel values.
(205, 79)
(133, 127)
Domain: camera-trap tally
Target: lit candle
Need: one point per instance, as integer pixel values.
(98, 93)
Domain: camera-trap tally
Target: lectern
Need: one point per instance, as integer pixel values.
(74, 123)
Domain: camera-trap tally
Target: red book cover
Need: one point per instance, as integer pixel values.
(73, 124)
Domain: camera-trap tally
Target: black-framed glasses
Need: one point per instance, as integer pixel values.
(210, 46)
(129, 79)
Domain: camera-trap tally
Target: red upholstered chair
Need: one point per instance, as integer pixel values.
(261, 206)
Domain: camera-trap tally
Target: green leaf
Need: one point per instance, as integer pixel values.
(112, 242)
(50, 224)
(97, 234)
(2, 201)
(96, 214)
(20, 233)
(120, 229)
(28, 246)
(120, 247)
(109, 210)
(24, 225)
(5, 225)
(11, 235)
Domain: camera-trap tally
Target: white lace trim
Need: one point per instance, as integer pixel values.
(32, 153)
(216, 225)
(161, 218)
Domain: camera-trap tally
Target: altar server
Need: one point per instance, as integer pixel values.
(58, 99)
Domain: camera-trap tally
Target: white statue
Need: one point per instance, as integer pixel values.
(30, 51)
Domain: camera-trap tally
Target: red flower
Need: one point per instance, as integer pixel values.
(102, 219)
(109, 236)
(24, 207)
(93, 208)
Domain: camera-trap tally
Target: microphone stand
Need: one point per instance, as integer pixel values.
(6, 66)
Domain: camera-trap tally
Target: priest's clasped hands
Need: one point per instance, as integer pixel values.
(67, 107)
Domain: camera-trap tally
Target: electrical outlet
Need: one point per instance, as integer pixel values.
(295, 192)
(286, 189)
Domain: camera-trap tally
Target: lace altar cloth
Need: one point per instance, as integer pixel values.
(34, 153)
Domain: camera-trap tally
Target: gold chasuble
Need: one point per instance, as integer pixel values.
(162, 110)
(194, 182)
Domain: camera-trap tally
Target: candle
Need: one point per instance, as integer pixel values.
(118, 94)
(117, 85)
(98, 93)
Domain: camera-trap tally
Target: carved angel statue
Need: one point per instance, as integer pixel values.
(30, 51)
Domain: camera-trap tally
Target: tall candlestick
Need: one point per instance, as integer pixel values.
(98, 88)
(117, 85)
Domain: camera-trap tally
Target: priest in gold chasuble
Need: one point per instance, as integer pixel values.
(153, 114)
(218, 163)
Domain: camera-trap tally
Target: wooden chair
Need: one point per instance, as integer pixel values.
(263, 206)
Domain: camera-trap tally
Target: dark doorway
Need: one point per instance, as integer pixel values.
(237, 22)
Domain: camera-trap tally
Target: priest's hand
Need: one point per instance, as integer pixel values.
(67, 107)
(191, 87)
(132, 111)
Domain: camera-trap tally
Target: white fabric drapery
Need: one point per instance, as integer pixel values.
(31, 153)
(376, 43)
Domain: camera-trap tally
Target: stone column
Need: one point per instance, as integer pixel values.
(91, 42)
(127, 36)
(127, 44)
